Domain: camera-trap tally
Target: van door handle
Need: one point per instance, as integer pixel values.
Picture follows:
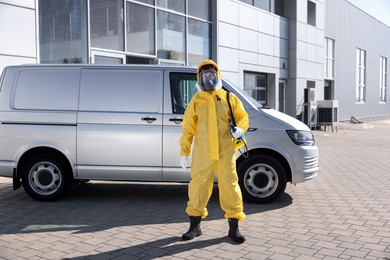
(149, 119)
(251, 129)
(177, 120)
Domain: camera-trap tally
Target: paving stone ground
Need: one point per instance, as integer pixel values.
(343, 213)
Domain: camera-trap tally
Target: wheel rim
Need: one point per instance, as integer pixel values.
(45, 178)
(261, 180)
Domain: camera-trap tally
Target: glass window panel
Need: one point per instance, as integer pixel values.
(329, 59)
(311, 13)
(199, 43)
(382, 79)
(200, 9)
(360, 75)
(380, 64)
(249, 2)
(261, 81)
(262, 4)
(330, 68)
(150, 2)
(330, 48)
(170, 36)
(256, 86)
(140, 29)
(107, 24)
(261, 95)
(182, 90)
(107, 60)
(175, 5)
(280, 7)
(250, 80)
(140, 60)
(63, 27)
(357, 94)
(357, 77)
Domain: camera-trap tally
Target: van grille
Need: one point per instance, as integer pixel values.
(311, 162)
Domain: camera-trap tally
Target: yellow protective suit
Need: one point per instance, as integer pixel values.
(205, 121)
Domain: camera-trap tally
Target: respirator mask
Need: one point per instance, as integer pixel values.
(208, 79)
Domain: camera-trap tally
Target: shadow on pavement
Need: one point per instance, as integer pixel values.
(155, 249)
(97, 206)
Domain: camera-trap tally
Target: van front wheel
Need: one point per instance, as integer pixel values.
(44, 177)
(262, 178)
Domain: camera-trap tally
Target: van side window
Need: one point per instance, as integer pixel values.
(110, 90)
(47, 89)
(182, 90)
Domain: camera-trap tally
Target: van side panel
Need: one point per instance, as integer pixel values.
(119, 134)
(38, 109)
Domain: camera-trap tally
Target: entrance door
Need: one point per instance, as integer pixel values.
(282, 96)
(100, 57)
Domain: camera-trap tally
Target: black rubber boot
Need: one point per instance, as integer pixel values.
(234, 233)
(194, 230)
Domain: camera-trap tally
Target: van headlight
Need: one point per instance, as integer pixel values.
(305, 138)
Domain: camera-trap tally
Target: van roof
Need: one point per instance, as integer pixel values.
(121, 66)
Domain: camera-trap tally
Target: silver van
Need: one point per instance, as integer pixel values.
(61, 124)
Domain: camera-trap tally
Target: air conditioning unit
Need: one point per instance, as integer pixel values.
(328, 113)
(309, 114)
(309, 95)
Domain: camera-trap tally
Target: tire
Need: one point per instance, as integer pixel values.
(45, 177)
(262, 178)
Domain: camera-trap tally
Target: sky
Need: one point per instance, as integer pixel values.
(380, 9)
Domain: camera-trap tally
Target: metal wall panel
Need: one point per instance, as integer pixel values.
(352, 28)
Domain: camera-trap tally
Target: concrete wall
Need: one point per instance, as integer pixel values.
(351, 28)
(18, 43)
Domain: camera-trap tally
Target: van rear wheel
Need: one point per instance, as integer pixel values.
(262, 178)
(45, 177)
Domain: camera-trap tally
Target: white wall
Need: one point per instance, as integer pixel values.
(250, 39)
(18, 32)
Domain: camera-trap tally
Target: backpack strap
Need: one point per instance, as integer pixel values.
(230, 107)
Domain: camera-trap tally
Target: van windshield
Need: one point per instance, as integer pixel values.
(253, 102)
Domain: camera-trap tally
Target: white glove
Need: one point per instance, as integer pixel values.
(184, 162)
(237, 133)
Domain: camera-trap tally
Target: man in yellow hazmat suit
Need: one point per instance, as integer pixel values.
(206, 123)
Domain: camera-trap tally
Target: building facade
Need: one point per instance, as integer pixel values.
(290, 55)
